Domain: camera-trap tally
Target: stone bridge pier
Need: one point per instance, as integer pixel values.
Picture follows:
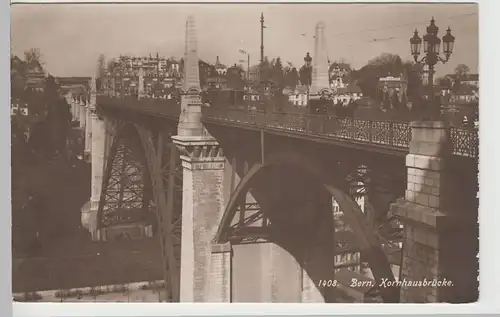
(98, 136)
(440, 215)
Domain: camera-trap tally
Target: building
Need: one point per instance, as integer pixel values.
(347, 255)
(18, 107)
(338, 214)
(220, 68)
(467, 79)
(338, 74)
(160, 75)
(251, 95)
(347, 252)
(463, 94)
(392, 91)
(347, 93)
(298, 96)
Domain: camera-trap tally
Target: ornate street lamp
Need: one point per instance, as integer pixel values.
(432, 44)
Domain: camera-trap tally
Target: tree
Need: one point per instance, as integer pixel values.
(277, 72)
(291, 77)
(415, 85)
(33, 59)
(265, 70)
(461, 70)
(381, 66)
(305, 75)
(444, 82)
(235, 77)
(17, 76)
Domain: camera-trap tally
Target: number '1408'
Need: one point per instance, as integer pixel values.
(327, 283)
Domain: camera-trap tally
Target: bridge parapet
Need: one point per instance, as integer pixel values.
(386, 133)
(155, 107)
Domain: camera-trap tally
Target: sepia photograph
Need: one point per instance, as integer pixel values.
(245, 152)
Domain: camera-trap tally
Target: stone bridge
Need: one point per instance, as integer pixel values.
(242, 200)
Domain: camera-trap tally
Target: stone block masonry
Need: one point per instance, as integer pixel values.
(434, 235)
(220, 274)
(202, 209)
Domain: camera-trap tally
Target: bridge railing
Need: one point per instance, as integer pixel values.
(386, 133)
(396, 134)
(465, 141)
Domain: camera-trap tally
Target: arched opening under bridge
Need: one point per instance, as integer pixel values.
(295, 220)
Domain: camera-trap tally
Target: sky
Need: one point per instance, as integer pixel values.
(72, 36)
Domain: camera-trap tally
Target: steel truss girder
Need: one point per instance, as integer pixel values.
(251, 228)
(165, 169)
(123, 195)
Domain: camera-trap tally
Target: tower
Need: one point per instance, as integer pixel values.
(202, 202)
(140, 89)
(320, 62)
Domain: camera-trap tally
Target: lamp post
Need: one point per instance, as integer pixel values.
(432, 55)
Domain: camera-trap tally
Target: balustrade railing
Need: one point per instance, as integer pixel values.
(386, 133)
(465, 142)
(393, 134)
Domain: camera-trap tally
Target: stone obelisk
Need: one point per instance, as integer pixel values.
(190, 117)
(320, 80)
(140, 88)
(202, 198)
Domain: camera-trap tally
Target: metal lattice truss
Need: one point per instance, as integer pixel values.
(123, 197)
(165, 169)
(249, 224)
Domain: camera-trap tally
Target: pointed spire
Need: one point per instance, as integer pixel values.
(190, 116)
(140, 89)
(320, 61)
(93, 92)
(191, 78)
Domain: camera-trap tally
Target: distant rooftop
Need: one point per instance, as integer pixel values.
(350, 89)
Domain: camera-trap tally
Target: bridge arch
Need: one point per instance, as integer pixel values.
(125, 184)
(368, 240)
(158, 166)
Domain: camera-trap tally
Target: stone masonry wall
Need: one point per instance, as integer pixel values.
(432, 231)
(220, 274)
(202, 210)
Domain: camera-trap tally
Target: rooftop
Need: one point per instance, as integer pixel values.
(350, 89)
(466, 77)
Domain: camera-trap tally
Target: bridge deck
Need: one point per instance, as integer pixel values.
(391, 136)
